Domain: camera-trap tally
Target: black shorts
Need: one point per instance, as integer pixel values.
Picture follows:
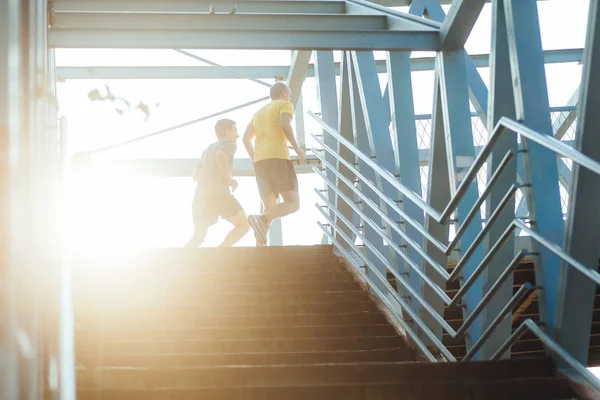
(274, 176)
(207, 210)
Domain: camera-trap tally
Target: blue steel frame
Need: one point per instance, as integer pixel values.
(364, 143)
(532, 107)
(575, 303)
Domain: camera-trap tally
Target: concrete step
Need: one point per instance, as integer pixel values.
(224, 359)
(150, 321)
(145, 347)
(318, 374)
(121, 277)
(227, 308)
(167, 286)
(207, 333)
(181, 299)
(211, 257)
(524, 388)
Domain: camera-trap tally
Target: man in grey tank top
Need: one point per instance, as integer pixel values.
(213, 197)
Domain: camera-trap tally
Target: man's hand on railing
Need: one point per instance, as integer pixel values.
(301, 154)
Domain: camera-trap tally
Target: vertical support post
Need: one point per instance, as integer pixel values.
(345, 129)
(9, 129)
(361, 139)
(576, 292)
(451, 67)
(66, 338)
(406, 147)
(276, 233)
(327, 96)
(502, 104)
(299, 118)
(438, 196)
(541, 171)
(378, 136)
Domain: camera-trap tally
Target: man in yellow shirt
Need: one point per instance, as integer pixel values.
(274, 171)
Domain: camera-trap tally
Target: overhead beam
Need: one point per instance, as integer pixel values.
(216, 23)
(318, 39)
(459, 22)
(267, 72)
(200, 6)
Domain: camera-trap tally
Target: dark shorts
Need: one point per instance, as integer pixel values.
(274, 176)
(207, 210)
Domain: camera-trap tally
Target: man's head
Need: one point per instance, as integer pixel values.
(281, 91)
(226, 130)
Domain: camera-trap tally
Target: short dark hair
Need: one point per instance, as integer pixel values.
(222, 125)
(277, 89)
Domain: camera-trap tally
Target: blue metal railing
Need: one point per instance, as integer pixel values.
(504, 126)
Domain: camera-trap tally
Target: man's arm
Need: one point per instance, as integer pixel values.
(197, 170)
(247, 139)
(225, 168)
(285, 121)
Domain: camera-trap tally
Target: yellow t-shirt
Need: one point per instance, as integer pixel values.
(270, 139)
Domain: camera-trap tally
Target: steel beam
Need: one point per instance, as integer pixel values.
(361, 139)
(438, 196)
(267, 72)
(532, 108)
(217, 23)
(575, 306)
(406, 150)
(200, 6)
(319, 39)
(502, 104)
(451, 68)
(345, 128)
(327, 97)
(457, 26)
(378, 135)
(297, 73)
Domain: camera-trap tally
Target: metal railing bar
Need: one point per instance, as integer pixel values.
(414, 197)
(549, 142)
(588, 272)
(502, 126)
(551, 345)
(382, 195)
(438, 268)
(415, 338)
(415, 295)
(441, 294)
(516, 299)
(508, 157)
(436, 342)
(467, 284)
(493, 290)
(482, 234)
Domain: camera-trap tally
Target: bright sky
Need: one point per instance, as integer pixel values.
(132, 211)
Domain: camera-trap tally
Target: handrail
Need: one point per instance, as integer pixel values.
(406, 307)
(438, 319)
(381, 296)
(501, 127)
(554, 347)
(446, 249)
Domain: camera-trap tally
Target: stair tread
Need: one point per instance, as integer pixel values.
(532, 389)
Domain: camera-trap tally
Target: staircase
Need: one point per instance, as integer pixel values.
(262, 323)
